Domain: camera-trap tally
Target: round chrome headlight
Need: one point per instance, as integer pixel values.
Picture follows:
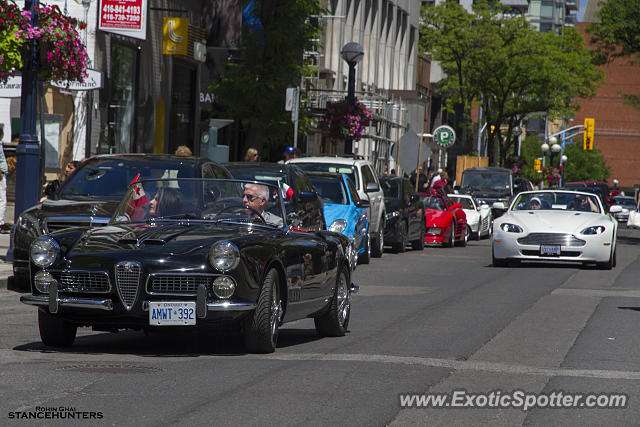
(224, 256)
(44, 251)
(43, 280)
(224, 287)
(338, 226)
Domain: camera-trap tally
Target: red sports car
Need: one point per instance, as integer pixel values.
(446, 221)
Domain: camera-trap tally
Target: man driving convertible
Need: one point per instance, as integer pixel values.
(255, 198)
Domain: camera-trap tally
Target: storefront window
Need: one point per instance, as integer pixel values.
(182, 107)
(120, 113)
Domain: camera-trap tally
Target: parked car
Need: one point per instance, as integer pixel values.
(478, 216)
(446, 222)
(344, 210)
(207, 252)
(366, 180)
(556, 225)
(626, 204)
(405, 221)
(90, 195)
(302, 203)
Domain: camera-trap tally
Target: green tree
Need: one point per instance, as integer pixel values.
(253, 89)
(618, 33)
(517, 70)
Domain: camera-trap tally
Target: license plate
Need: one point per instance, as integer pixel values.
(550, 250)
(172, 313)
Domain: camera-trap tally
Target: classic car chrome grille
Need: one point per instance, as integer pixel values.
(127, 281)
(177, 284)
(561, 239)
(84, 281)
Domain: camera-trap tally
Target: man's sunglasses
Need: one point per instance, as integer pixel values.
(249, 197)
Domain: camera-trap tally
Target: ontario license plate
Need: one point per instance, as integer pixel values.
(172, 313)
(550, 250)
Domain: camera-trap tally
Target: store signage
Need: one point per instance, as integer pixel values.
(12, 88)
(125, 17)
(175, 38)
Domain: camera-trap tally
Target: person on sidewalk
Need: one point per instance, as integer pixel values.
(4, 171)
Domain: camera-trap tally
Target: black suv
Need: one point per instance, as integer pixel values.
(489, 185)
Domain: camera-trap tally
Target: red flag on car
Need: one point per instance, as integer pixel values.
(137, 201)
(287, 191)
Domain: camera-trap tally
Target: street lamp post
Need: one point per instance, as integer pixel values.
(563, 161)
(28, 149)
(550, 151)
(352, 53)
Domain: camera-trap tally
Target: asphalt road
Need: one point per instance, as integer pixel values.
(433, 321)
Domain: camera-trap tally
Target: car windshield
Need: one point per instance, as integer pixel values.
(256, 173)
(491, 180)
(348, 170)
(557, 200)
(626, 202)
(157, 201)
(330, 188)
(433, 202)
(464, 201)
(391, 188)
(109, 178)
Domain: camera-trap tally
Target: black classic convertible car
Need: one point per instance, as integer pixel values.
(90, 195)
(191, 252)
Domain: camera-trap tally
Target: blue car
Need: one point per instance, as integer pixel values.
(344, 211)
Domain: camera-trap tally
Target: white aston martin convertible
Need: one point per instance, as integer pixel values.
(556, 225)
(478, 216)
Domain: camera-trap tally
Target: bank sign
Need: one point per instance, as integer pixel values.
(444, 136)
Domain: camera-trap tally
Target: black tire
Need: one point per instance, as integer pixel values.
(400, 246)
(335, 321)
(365, 257)
(377, 248)
(497, 262)
(452, 236)
(475, 235)
(465, 237)
(54, 331)
(418, 244)
(261, 328)
(608, 265)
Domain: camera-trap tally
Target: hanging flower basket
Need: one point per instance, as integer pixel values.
(12, 20)
(62, 53)
(346, 121)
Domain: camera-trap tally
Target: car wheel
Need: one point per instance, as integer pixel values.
(400, 246)
(609, 264)
(261, 329)
(452, 236)
(54, 331)
(497, 262)
(365, 257)
(476, 235)
(335, 321)
(378, 243)
(465, 237)
(418, 244)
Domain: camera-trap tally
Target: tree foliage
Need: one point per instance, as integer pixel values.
(581, 165)
(618, 34)
(253, 88)
(516, 69)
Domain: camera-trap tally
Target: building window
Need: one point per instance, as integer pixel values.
(546, 10)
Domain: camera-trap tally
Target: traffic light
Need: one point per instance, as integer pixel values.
(537, 165)
(493, 128)
(589, 133)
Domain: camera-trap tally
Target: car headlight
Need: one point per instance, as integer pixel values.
(511, 228)
(43, 280)
(596, 229)
(224, 287)
(224, 256)
(338, 226)
(44, 251)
